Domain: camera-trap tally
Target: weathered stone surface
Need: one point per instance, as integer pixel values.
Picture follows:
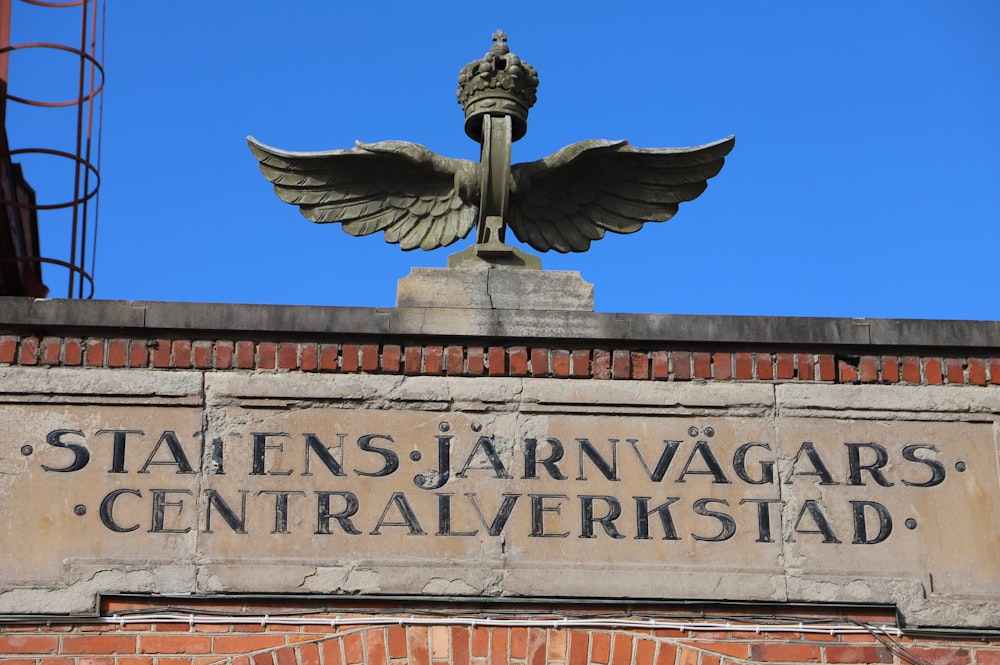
(479, 288)
(111, 318)
(265, 482)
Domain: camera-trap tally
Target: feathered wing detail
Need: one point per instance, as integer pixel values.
(415, 197)
(570, 198)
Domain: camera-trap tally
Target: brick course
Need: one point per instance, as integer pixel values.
(656, 364)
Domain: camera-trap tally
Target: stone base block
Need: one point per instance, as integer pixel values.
(476, 288)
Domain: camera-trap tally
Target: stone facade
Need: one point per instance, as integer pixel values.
(196, 458)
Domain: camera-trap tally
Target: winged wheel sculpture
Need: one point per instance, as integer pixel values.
(422, 200)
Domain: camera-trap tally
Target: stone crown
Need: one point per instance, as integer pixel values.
(498, 84)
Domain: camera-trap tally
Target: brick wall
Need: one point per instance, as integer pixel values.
(441, 642)
(518, 360)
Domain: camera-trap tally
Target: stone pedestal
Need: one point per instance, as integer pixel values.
(496, 288)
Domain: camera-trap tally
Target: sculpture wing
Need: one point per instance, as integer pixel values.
(402, 189)
(573, 196)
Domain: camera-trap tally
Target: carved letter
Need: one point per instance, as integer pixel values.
(663, 510)
(80, 453)
(179, 460)
(398, 499)
(108, 507)
(118, 447)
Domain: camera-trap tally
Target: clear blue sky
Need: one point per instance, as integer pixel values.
(864, 180)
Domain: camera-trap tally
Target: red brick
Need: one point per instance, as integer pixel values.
(497, 360)
(369, 357)
(419, 643)
(682, 365)
(621, 653)
(455, 361)
(353, 649)
(203, 352)
(977, 371)
(308, 654)
(579, 643)
(941, 655)
(434, 360)
(560, 363)
(98, 644)
(723, 366)
(374, 647)
(847, 372)
(476, 360)
(786, 366)
(267, 353)
(28, 644)
(51, 346)
(932, 371)
(245, 643)
(350, 357)
(392, 355)
(481, 641)
(396, 640)
(518, 358)
(117, 352)
(29, 351)
(539, 362)
(890, 369)
(245, 355)
(411, 360)
(600, 649)
(781, 653)
(645, 651)
(805, 369)
(868, 369)
(459, 644)
(602, 364)
(287, 657)
(734, 649)
(987, 657)
(331, 651)
(995, 371)
(328, 358)
(161, 353)
(827, 367)
(955, 370)
(580, 364)
(557, 645)
(666, 654)
(180, 350)
(266, 658)
(94, 354)
(703, 365)
(308, 357)
(138, 353)
(640, 365)
(764, 366)
(660, 361)
(287, 355)
(857, 654)
(164, 644)
(8, 348)
(911, 369)
(743, 365)
(498, 648)
(72, 351)
(620, 364)
(536, 646)
(519, 642)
